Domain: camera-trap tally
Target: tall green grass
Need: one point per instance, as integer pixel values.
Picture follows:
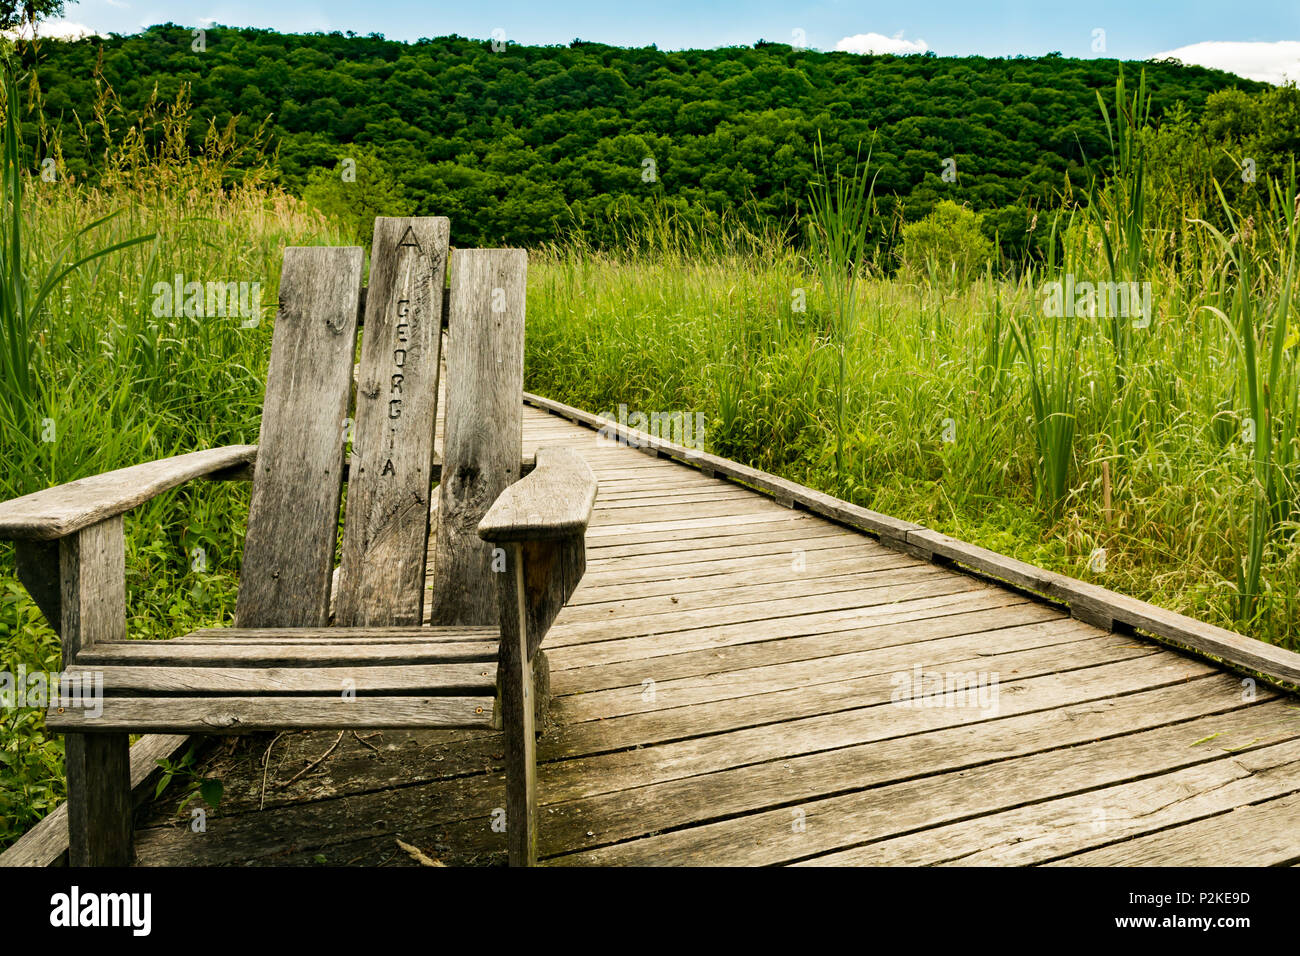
(964, 405)
(1118, 209)
(25, 295)
(91, 380)
(1260, 328)
(839, 225)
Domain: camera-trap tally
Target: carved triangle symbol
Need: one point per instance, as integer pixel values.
(408, 239)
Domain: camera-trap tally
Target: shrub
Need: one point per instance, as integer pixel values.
(949, 241)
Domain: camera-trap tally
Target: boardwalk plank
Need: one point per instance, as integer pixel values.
(890, 588)
(784, 541)
(638, 496)
(889, 665)
(1009, 627)
(703, 532)
(745, 555)
(838, 697)
(830, 822)
(597, 651)
(820, 566)
(1263, 834)
(1059, 828)
(727, 592)
(647, 528)
(619, 517)
(459, 810)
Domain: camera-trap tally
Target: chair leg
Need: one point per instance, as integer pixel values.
(541, 693)
(100, 826)
(518, 717)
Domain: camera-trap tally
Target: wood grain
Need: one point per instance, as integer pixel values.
(63, 509)
(1260, 834)
(421, 680)
(385, 531)
(235, 715)
(294, 509)
(553, 502)
(98, 765)
(92, 574)
(484, 431)
(98, 770)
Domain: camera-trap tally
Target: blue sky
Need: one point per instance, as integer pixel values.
(1135, 29)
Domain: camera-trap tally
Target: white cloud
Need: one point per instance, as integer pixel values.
(879, 43)
(54, 30)
(1271, 62)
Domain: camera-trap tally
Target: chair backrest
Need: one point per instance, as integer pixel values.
(483, 441)
(293, 512)
(381, 578)
(298, 477)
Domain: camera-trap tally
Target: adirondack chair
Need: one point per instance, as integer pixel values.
(509, 550)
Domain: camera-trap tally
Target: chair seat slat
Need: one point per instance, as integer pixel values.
(228, 715)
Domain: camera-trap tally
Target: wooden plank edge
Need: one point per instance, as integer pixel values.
(1086, 602)
(46, 844)
(1108, 609)
(223, 715)
(61, 510)
(890, 530)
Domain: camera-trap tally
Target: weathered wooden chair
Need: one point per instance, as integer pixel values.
(508, 552)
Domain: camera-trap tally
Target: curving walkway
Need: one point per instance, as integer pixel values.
(727, 682)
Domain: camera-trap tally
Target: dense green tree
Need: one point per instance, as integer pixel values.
(949, 241)
(14, 14)
(358, 188)
(519, 145)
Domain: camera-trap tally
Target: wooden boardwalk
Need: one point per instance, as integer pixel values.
(726, 684)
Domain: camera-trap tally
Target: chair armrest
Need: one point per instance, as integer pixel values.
(553, 502)
(59, 511)
(541, 521)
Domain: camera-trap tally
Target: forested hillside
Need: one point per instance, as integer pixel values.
(520, 143)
